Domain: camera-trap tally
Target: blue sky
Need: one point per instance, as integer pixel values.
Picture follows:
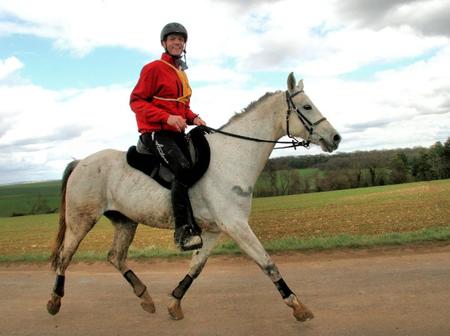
(62, 69)
(378, 73)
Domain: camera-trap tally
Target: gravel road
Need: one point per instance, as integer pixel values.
(383, 291)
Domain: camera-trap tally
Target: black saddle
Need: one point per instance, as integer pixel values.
(151, 165)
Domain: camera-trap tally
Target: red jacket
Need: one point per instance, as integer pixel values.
(159, 80)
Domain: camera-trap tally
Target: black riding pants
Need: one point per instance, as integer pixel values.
(172, 149)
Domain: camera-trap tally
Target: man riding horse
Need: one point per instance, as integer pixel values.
(160, 101)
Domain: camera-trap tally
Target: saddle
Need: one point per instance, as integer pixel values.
(143, 160)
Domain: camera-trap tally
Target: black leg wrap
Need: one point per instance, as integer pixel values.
(138, 287)
(59, 285)
(283, 288)
(182, 287)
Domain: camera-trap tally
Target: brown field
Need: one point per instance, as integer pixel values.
(367, 211)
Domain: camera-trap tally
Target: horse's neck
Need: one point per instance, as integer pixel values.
(261, 122)
(246, 158)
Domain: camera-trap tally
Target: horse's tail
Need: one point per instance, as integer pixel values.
(57, 246)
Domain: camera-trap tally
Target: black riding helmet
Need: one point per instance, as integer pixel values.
(173, 28)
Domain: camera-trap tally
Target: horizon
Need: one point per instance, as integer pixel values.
(272, 158)
(378, 74)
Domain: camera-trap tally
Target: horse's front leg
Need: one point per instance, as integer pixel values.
(249, 243)
(198, 261)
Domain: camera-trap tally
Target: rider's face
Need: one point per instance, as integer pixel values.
(174, 44)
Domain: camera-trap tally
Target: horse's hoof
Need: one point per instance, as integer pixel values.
(54, 304)
(301, 312)
(147, 303)
(149, 307)
(174, 308)
(303, 316)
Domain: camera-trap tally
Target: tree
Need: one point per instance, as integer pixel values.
(446, 158)
(439, 160)
(295, 185)
(421, 167)
(400, 169)
(373, 176)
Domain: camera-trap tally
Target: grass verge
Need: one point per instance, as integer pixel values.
(438, 234)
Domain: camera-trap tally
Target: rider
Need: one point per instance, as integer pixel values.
(160, 101)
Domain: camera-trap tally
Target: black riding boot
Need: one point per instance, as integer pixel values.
(187, 232)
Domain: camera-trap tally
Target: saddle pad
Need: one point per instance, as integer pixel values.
(150, 165)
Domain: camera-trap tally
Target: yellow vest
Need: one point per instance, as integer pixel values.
(187, 91)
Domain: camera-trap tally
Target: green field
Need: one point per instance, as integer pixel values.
(398, 214)
(43, 197)
(21, 199)
(305, 175)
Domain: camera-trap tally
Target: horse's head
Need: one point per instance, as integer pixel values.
(306, 121)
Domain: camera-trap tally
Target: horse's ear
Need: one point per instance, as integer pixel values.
(291, 82)
(300, 85)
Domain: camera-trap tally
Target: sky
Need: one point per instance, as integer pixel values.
(378, 70)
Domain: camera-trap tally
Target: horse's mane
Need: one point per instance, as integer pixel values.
(249, 108)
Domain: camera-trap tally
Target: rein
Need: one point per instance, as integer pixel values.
(294, 143)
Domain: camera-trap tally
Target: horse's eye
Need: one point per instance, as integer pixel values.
(307, 107)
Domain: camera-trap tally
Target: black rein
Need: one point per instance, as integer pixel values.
(294, 143)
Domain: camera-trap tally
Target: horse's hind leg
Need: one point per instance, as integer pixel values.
(73, 235)
(198, 261)
(247, 241)
(124, 235)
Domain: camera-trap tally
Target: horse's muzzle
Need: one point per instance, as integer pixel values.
(330, 146)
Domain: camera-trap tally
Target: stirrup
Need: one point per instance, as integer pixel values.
(192, 243)
(187, 239)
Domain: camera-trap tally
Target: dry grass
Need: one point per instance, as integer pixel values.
(368, 211)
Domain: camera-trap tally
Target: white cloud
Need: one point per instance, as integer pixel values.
(429, 17)
(257, 35)
(346, 51)
(46, 128)
(9, 66)
(405, 106)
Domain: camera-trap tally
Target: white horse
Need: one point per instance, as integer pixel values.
(104, 183)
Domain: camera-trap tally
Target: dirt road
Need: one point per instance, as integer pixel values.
(370, 292)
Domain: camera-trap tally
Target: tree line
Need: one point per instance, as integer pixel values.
(311, 173)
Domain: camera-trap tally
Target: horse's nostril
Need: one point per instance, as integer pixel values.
(337, 138)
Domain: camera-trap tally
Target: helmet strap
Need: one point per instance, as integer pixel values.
(181, 63)
(184, 65)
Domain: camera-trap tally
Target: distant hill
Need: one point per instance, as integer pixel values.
(283, 176)
(29, 198)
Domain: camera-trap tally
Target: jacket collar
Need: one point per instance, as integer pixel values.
(177, 63)
(166, 57)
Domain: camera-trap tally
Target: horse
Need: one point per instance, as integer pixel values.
(104, 184)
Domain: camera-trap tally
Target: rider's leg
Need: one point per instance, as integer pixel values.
(171, 147)
(187, 233)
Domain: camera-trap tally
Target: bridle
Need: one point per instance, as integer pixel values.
(309, 126)
(294, 143)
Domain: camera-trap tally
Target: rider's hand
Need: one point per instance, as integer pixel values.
(199, 122)
(178, 122)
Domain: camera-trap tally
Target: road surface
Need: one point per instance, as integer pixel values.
(389, 291)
